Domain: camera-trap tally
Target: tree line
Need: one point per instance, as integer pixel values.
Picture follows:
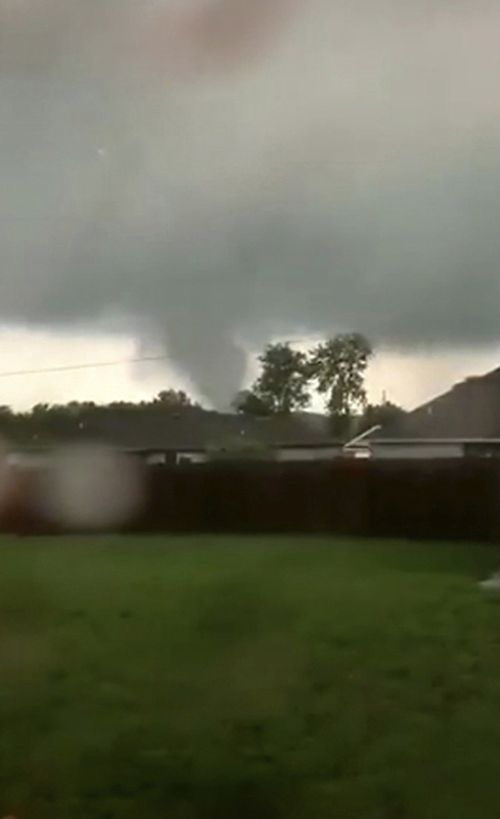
(46, 422)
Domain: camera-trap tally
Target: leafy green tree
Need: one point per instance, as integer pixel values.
(283, 385)
(247, 402)
(339, 366)
(173, 399)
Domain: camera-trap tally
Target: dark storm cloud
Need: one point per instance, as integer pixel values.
(225, 178)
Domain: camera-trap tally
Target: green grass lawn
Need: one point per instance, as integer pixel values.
(232, 678)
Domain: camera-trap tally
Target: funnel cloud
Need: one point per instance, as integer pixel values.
(216, 173)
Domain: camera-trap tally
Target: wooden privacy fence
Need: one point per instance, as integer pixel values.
(415, 499)
(449, 499)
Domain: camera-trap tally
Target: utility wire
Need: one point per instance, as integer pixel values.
(89, 366)
(98, 364)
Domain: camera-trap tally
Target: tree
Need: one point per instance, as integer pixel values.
(383, 415)
(339, 367)
(173, 399)
(247, 402)
(283, 383)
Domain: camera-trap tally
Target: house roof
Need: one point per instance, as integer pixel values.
(193, 428)
(469, 411)
(420, 441)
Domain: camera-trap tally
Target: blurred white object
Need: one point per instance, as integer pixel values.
(92, 487)
(492, 583)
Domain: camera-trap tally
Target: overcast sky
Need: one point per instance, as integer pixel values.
(198, 177)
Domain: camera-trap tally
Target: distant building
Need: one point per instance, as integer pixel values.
(194, 435)
(463, 422)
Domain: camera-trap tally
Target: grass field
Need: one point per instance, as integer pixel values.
(235, 678)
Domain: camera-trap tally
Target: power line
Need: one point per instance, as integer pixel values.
(101, 364)
(89, 366)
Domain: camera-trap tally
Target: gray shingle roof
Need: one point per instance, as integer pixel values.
(470, 410)
(197, 429)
